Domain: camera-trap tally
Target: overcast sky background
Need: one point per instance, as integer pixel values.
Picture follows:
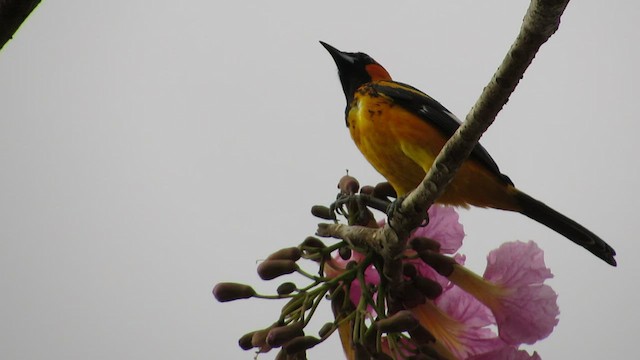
(151, 150)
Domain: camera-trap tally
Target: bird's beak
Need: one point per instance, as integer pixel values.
(341, 58)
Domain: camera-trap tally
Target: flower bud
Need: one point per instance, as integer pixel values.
(271, 269)
(427, 287)
(348, 185)
(259, 339)
(301, 343)
(409, 270)
(326, 329)
(286, 288)
(345, 253)
(228, 291)
(409, 295)
(440, 263)
(290, 253)
(278, 336)
(340, 303)
(398, 322)
(322, 212)
(351, 265)
(384, 190)
(367, 190)
(312, 242)
(245, 341)
(422, 243)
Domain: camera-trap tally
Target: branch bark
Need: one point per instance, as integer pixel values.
(12, 14)
(541, 20)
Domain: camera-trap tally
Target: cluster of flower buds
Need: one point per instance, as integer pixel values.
(438, 310)
(288, 332)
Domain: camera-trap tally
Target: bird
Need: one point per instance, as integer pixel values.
(400, 130)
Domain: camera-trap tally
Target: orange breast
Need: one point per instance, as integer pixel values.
(371, 124)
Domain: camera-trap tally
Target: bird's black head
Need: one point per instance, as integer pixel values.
(355, 70)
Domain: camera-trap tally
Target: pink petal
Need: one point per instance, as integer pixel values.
(478, 337)
(517, 264)
(506, 353)
(444, 226)
(527, 315)
(465, 308)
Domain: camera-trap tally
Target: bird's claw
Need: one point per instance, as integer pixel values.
(394, 207)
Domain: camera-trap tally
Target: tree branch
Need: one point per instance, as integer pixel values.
(12, 14)
(361, 237)
(540, 22)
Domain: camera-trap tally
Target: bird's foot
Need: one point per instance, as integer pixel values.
(396, 206)
(355, 207)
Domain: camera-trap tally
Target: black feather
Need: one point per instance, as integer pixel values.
(573, 231)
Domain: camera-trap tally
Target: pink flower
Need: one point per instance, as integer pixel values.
(525, 309)
(511, 295)
(529, 312)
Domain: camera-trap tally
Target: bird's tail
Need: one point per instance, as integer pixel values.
(573, 231)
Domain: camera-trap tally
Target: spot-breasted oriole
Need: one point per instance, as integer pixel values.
(400, 130)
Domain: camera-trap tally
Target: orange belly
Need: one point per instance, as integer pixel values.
(402, 147)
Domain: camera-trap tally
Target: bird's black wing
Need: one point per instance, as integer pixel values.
(434, 113)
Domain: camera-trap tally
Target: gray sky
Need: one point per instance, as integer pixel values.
(149, 152)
